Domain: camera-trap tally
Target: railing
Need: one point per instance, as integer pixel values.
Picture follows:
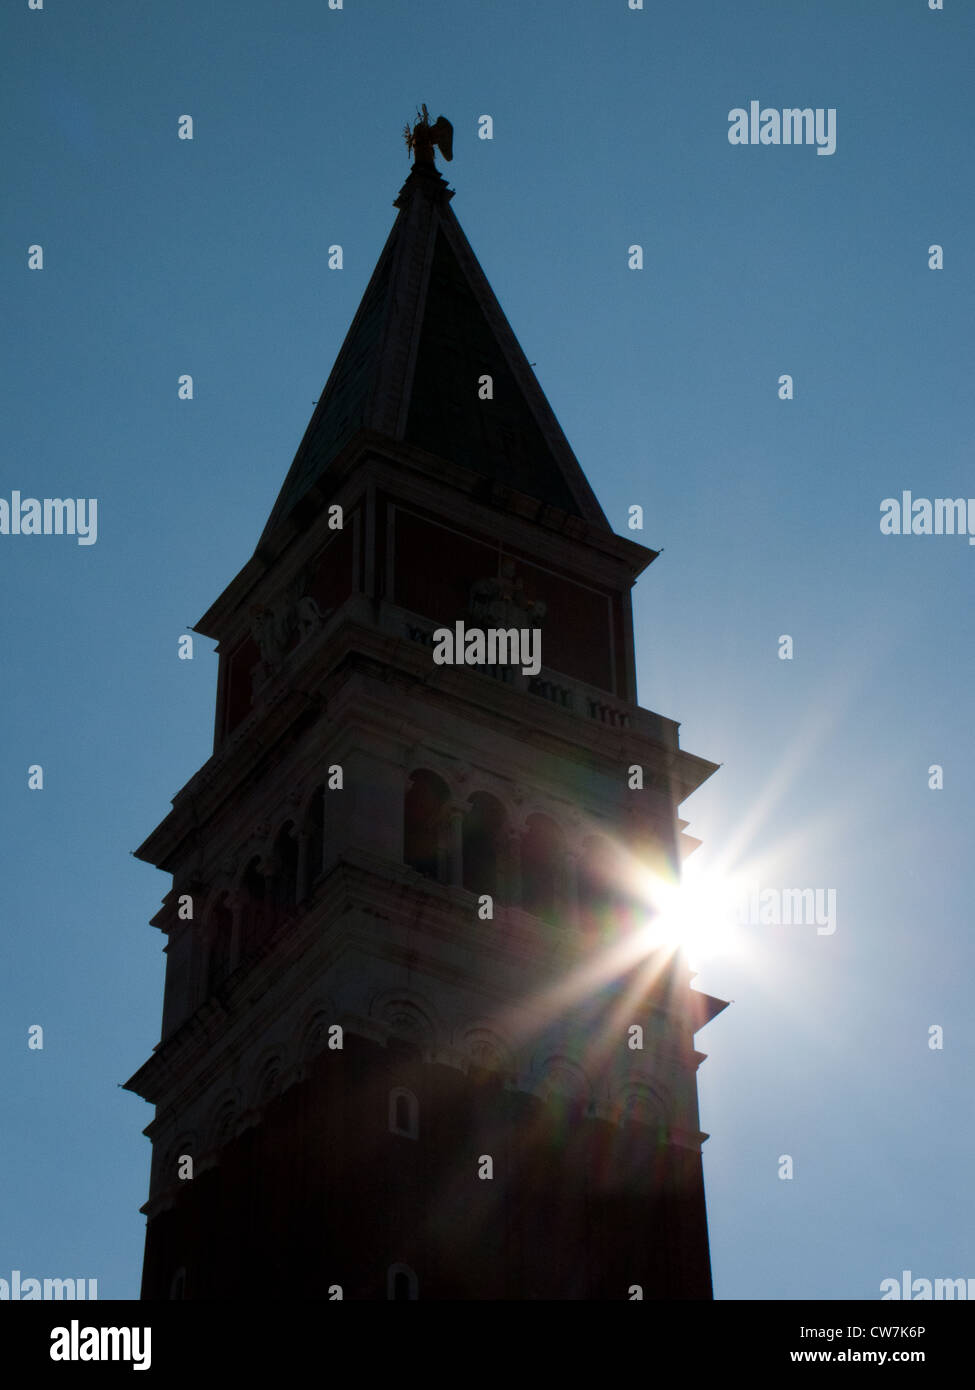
(573, 696)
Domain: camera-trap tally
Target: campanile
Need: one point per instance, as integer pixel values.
(417, 1040)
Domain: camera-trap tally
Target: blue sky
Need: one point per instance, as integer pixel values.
(164, 256)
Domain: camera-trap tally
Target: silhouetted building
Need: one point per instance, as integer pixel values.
(398, 1037)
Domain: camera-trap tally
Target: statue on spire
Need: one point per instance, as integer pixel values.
(422, 137)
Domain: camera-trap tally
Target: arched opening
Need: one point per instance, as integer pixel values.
(596, 890)
(223, 1129)
(270, 1082)
(220, 931)
(566, 1101)
(401, 1283)
(487, 1067)
(542, 857)
(253, 907)
(483, 837)
(423, 833)
(315, 830)
(286, 869)
(404, 1113)
(607, 908)
(640, 1108)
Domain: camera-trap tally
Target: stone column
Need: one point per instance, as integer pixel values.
(512, 867)
(453, 824)
(202, 965)
(236, 904)
(270, 907)
(303, 886)
(570, 890)
(328, 821)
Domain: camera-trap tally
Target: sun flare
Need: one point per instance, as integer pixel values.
(697, 915)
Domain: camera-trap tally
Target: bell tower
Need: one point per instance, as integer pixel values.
(417, 1039)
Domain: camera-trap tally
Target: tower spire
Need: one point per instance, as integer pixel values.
(431, 363)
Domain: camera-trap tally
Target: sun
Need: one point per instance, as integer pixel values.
(696, 915)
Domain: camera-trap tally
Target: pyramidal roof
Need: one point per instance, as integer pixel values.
(427, 329)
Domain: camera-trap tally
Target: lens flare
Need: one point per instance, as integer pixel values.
(696, 916)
